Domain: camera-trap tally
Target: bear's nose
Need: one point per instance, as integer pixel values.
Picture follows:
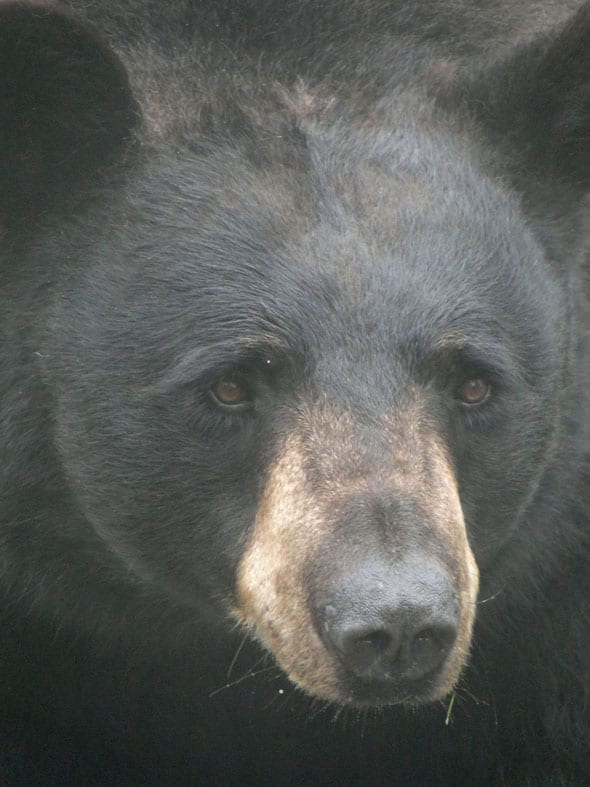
(391, 626)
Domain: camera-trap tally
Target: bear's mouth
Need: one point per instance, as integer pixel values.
(369, 600)
(395, 662)
(375, 694)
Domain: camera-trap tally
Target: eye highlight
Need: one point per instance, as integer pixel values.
(231, 393)
(474, 391)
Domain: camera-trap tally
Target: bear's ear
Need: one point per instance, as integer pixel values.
(66, 108)
(536, 107)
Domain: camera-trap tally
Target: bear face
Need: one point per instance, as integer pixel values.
(326, 392)
(300, 356)
(337, 356)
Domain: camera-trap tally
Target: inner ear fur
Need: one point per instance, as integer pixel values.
(67, 109)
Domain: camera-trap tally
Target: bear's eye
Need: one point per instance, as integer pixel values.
(231, 394)
(474, 391)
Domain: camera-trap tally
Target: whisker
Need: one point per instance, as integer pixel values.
(250, 674)
(493, 596)
(237, 653)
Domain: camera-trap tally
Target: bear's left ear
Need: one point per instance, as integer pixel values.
(536, 108)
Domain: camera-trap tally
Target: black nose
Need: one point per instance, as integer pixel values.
(395, 626)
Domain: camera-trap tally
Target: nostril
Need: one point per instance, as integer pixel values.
(442, 633)
(368, 647)
(378, 641)
(362, 648)
(429, 647)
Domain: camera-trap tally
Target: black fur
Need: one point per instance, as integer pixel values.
(191, 188)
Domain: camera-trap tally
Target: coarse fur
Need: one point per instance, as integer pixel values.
(350, 211)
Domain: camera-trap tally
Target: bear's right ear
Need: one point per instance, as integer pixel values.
(536, 107)
(66, 107)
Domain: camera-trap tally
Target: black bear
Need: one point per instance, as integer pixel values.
(294, 393)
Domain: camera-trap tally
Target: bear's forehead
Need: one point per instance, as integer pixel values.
(341, 251)
(361, 207)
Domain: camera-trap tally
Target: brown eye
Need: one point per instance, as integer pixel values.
(231, 393)
(474, 391)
